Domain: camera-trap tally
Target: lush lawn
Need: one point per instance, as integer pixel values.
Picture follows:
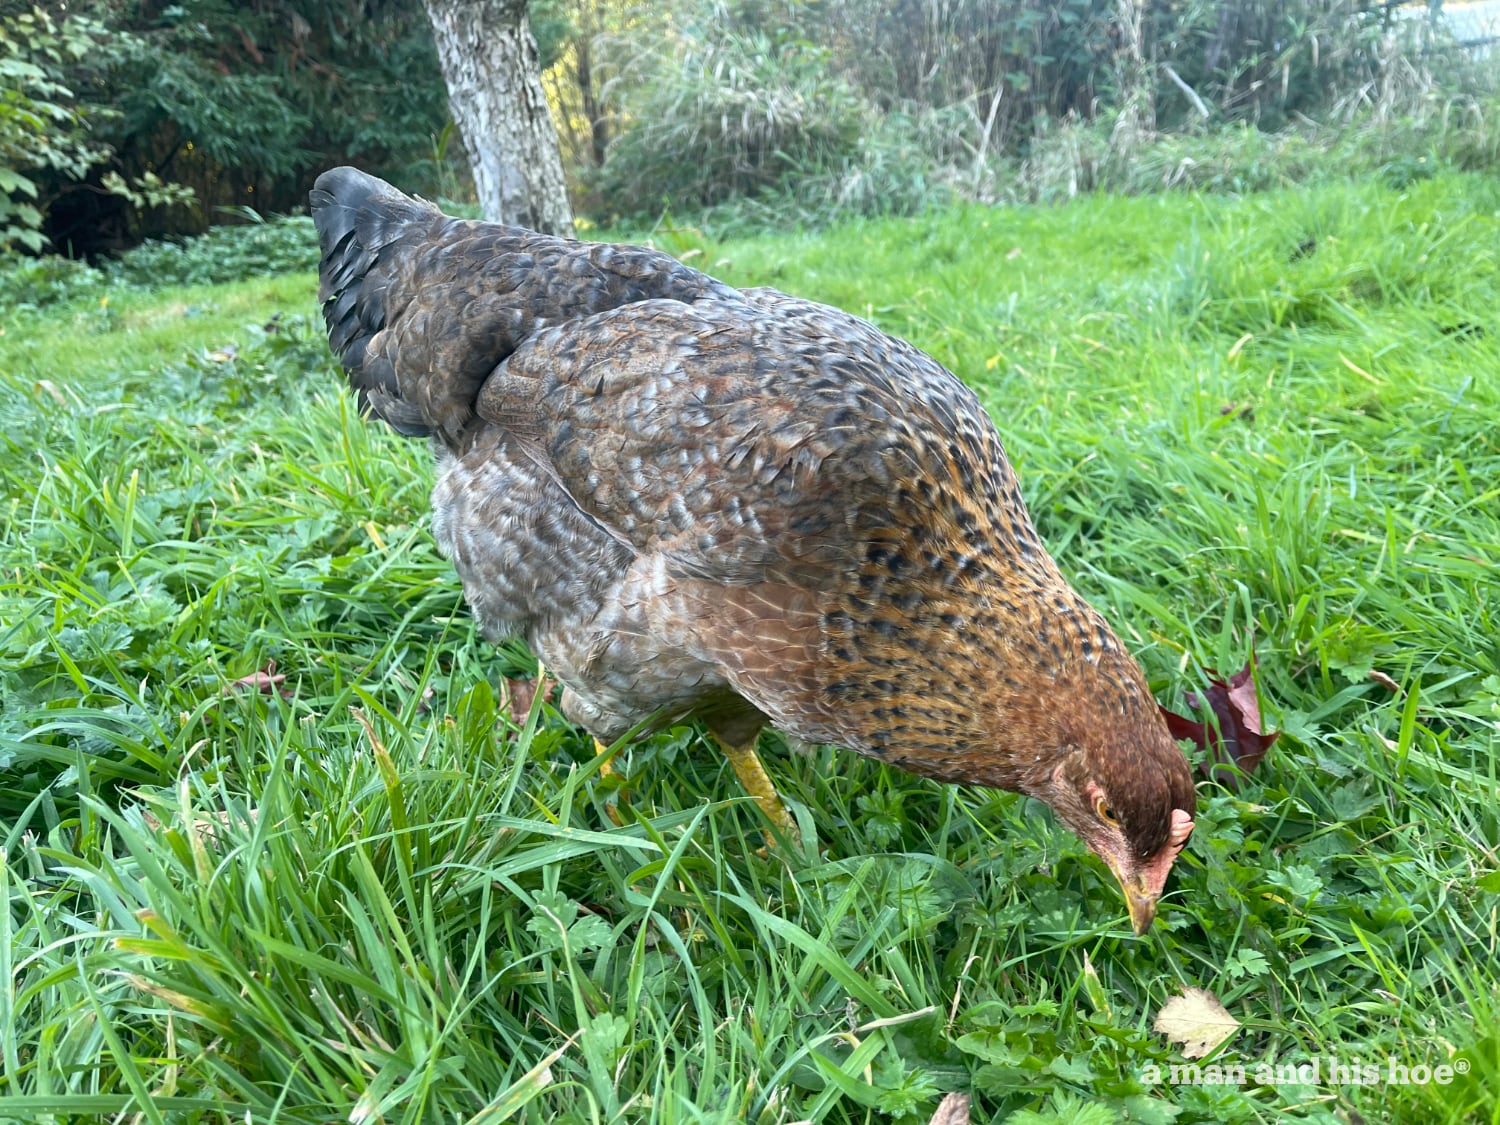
(1271, 423)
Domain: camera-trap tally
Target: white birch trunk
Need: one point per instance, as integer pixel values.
(489, 62)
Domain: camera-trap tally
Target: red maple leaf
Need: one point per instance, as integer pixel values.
(1236, 738)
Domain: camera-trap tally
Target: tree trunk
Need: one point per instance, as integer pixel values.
(489, 62)
(593, 112)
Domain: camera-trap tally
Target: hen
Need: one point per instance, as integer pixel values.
(692, 499)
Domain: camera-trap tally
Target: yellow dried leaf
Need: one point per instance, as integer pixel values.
(1196, 1021)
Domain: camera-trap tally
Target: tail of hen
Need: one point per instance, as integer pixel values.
(394, 318)
(421, 308)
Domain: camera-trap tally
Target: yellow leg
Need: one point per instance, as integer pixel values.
(758, 784)
(607, 769)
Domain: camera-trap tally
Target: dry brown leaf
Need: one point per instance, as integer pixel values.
(517, 696)
(952, 1110)
(267, 681)
(1196, 1021)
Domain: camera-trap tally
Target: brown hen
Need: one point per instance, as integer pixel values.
(692, 499)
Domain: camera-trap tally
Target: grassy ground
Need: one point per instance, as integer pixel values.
(1264, 423)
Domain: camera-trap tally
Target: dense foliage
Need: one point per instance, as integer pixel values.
(817, 107)
(255, 249)
(127, 119)
(47, 137)
(234, 104)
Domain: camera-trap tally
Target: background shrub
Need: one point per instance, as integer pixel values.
(262, 248)
(125, 122)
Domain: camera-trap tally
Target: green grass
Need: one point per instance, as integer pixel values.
(375, 899)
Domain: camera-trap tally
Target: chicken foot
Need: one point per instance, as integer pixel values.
(758, 784)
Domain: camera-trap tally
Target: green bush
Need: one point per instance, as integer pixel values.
(113, 116)
(1427, 131)
(773, 127)
(257, 249)
(35, 283)
(288, 244)
(760, 112)
(42, 128)
(733, 115)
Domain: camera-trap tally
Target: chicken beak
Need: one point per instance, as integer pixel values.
(1139, 899)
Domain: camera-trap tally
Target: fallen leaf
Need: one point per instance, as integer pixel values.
(266, 681)
(49, 388)
(517, 696)
(952, 1110)
(1241, 740)
(1196, 1021)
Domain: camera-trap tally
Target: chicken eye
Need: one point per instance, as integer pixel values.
(1101, 806)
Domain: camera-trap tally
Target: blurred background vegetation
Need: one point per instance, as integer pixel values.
(126, 120)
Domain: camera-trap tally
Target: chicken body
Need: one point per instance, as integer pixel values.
(740, 505)
(701, 540)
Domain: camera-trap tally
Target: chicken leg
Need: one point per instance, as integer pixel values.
(607, 769)
(757, 783)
